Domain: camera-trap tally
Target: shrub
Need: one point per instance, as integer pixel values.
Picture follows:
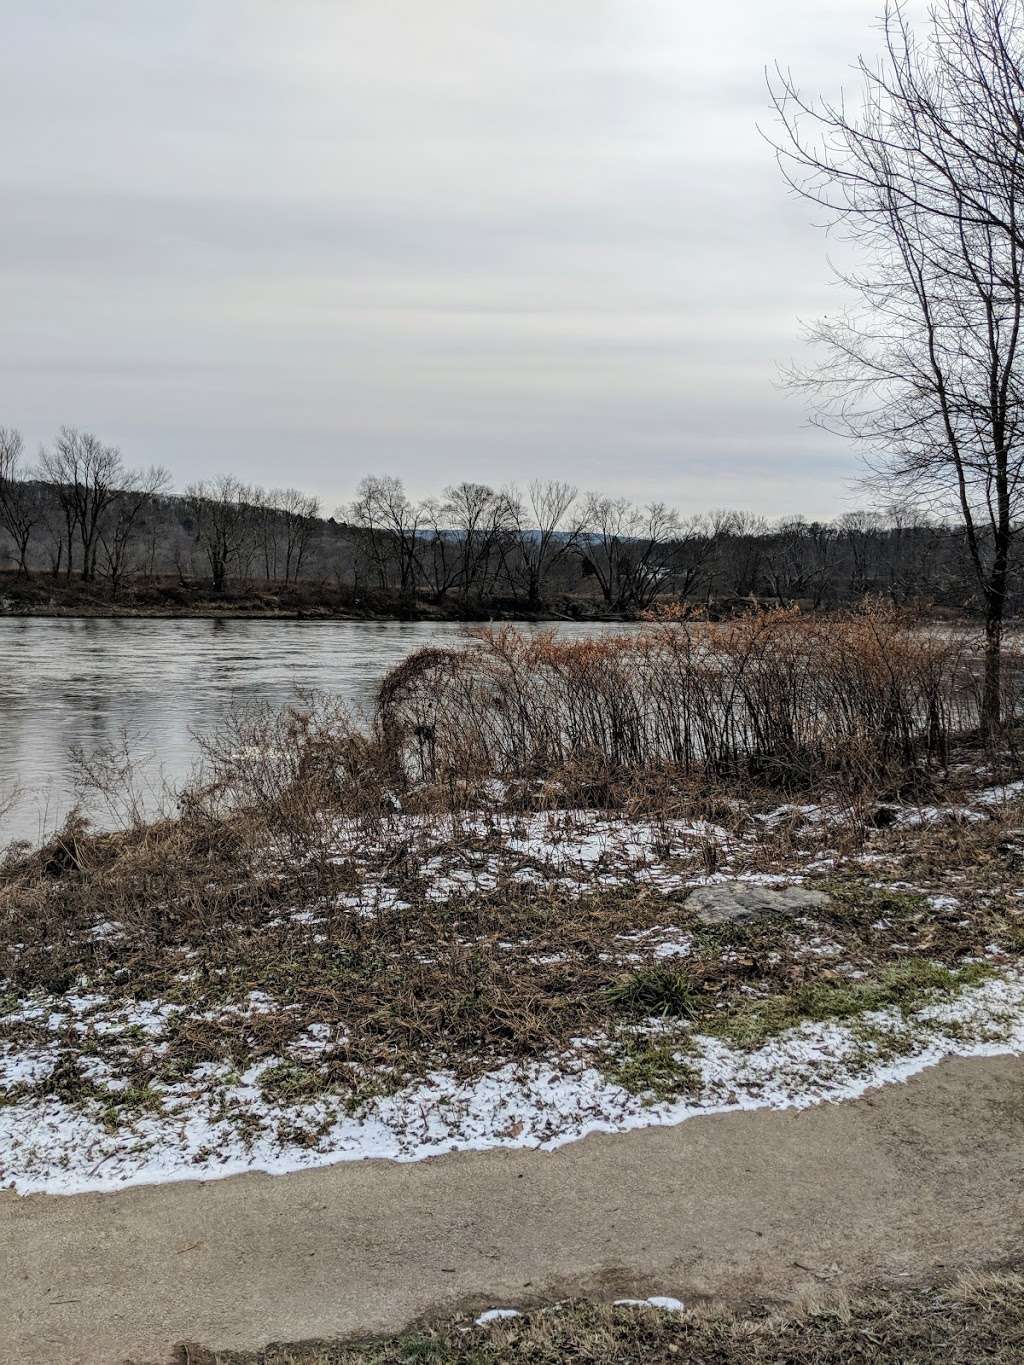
(776, 696)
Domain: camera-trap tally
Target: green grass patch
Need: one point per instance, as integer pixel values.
(858, 900)
(653, 1069)
(905, 986)
(292, 1083)
(297, 1082)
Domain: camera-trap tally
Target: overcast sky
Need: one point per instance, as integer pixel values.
(463, 239)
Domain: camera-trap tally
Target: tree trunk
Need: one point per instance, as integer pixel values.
(991, 708)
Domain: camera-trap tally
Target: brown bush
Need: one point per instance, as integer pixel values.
(779, 696)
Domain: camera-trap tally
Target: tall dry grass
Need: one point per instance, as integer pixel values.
(778, 696)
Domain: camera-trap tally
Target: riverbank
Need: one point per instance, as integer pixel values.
(196, 999)
(548, 888)
(633, 895)
(168, 599)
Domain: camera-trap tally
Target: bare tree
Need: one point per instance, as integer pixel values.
(926, 179)
(299, 514)
(628, 548)
(694, 546)
(20, 506)
(479, 518)
(440, 555)
(391, 529)
(859, 533)
(914, 568)
(265, 529)
(85, 476)
(740, 550)
(798, 560)
(124, 521)
(224, 526)
(285, 523)
(545, 532)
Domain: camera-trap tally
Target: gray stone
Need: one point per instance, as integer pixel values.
(742, 902)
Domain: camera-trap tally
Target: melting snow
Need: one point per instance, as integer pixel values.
(49, 1146)
(662, 1301)
(996, 796)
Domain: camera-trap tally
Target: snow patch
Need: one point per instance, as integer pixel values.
(209, 1129)
(662, 1301)
(998, 796)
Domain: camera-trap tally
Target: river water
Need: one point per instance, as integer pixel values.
(92, 684)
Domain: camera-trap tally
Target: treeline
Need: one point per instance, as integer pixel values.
(81, 514)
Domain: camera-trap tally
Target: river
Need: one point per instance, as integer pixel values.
(158, 684)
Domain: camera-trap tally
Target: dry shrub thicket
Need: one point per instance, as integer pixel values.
(653, 720)
(776, 697)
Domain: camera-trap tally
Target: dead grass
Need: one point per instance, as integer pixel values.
(980, 1318)
(304, 870)
(499, 970)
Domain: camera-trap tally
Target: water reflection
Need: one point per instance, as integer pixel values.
(160, 683)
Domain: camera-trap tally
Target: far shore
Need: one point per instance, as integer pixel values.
(170, 599)
(43, 597)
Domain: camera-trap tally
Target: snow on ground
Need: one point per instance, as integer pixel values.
(662, 1301)
(911, 816)
(577, 850)
(496, 1315)
(209, 1129)
(998, 796)
(570, 850)
(214, 1124)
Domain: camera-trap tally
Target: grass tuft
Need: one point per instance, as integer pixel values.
(654, 1070)
(905, 985)
(668, 992)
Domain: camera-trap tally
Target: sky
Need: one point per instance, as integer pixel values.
(493, 240)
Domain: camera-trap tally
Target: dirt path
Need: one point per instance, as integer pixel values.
(912, 1181)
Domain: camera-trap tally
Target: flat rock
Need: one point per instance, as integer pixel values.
(742, 902)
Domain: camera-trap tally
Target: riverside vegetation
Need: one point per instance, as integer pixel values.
(82, 533)
(497, 871)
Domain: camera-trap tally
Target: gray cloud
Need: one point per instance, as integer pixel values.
(472, 239)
